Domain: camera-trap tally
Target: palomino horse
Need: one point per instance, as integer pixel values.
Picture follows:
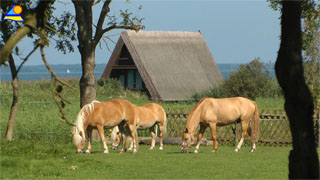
(103, 114)
(220, 112)
(146, 117)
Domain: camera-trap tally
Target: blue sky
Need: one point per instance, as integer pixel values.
(236, 31)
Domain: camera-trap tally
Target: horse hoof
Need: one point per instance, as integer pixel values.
(161, 148)
(196, 151)
(87, 152)
(134, 151)
(252, 150)
(236, 150)
(151, 148)
(214, 150)
(106, 152)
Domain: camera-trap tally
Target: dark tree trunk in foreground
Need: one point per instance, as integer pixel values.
(14, 105)
(303, 158)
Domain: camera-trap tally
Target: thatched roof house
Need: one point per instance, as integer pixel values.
(170, 66)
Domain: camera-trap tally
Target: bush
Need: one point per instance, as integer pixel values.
(112, 87)
(251, 81)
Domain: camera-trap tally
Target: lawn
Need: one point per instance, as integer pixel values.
(42, 147)
(49, 160)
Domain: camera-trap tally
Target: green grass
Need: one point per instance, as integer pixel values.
(42, 147)
(39, 118)
(50, 160)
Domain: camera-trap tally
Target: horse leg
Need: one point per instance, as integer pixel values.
(244, 126)
(101, 133)
(253, 144)
(89, 132)
(161, 127)
(134, 137)
(130, 142)
(124, 138)
(214, 137)
(153, 134)
(200, 135)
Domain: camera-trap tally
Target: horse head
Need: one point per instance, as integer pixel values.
(78, 139)
(115, 138)
(186, 141)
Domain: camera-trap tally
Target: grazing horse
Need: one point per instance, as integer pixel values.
(146, 117)
(103, 114)
(220, 112)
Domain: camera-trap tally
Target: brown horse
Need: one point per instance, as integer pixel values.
(103, 114)
(146, 117)
(220, 112)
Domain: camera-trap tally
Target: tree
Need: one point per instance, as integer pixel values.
(303, 158)
(89, 41)
(310, 44)
(249, 81)
(7, 31)
(37, 23)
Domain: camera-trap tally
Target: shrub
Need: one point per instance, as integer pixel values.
(251, 81)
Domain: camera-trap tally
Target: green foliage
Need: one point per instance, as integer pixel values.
(60, 30)
(310, 44)
(310, 16)
(251, 81)
(109, 86)
(312, 76)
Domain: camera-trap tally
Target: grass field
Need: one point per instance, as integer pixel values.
(42, 147)
(49, 160)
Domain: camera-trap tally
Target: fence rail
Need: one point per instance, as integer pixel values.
(274, 128)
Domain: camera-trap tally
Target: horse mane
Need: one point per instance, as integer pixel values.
(114, 132)
(193, 111)
(78, 130)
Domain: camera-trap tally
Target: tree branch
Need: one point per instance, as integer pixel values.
(104, 11)
(29, 25)
(54, 92)
(26, 58)
(136, 28)
(52, 72)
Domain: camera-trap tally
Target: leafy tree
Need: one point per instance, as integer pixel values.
(39, 22)
(251, 80)
(88, 40)
(303, 158)
(310, 14)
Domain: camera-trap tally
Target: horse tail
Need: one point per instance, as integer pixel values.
(164, 122)
(78, 129)
(255, 125)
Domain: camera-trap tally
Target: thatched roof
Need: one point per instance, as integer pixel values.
(173, 65)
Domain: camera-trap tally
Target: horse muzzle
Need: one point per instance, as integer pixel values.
(185, 149)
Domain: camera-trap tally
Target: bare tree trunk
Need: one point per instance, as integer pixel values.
(87, 81)
(303, 158)
(14, 105)
(87, 50)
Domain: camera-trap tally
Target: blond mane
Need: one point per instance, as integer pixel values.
(78, 130)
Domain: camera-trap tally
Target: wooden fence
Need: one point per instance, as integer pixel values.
(274, 128)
